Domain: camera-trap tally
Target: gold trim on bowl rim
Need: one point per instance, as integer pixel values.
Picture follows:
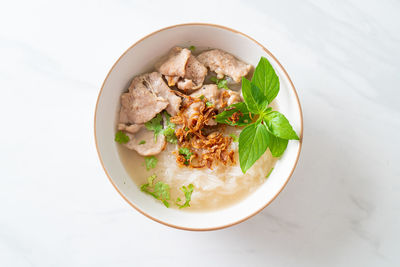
(300, 135)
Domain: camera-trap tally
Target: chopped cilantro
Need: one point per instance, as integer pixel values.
(234, 137)
(151, 178)
(188, 196)
(169, 134)
(201, 97)
(186, 129)
(121, 137)
(214, 79)
(221, 83)
(142, 142)
(167, 119)
(155, 125)
(151, 162)
(192, 48)
(186, 153)
(269, 173)
(209, 104)
(169, 131)
(160, 190)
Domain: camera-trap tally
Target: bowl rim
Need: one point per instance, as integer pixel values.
(300, 134)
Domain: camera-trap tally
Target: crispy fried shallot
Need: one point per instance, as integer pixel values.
(191, 131)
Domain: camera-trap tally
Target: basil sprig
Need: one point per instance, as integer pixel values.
(265, 128)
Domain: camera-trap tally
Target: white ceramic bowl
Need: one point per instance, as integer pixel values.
(140, 58)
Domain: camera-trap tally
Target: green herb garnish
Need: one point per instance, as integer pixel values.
(253, 141)
(269, 173)
(221, 83)
(169, 131)
(151, 162)
(186, 153)
(201, 97)
(188, 196)
(159, 190)
(121, 137)
(234, 137)
(277, 145)
(192, 48)
(142, 142)
(209, 104)
(170, 136)
(267, 128)
(240, 108)
(155, 125)
(279, 126)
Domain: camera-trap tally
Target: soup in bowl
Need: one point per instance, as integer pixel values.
(198, 126)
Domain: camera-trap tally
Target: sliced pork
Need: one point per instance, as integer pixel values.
(218, 97)
(182, 69)
(224, 63)
(175, 63)
(195, 73)
(133, 128)
(140, 105)
(148, 95)
(144, 143)
(154, 82)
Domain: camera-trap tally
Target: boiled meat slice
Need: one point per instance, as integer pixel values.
(218, 97)
(140, 105)
(182, 69)
(144, 142)
(224, 63)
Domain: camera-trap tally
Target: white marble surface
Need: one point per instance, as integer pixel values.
(341, 208)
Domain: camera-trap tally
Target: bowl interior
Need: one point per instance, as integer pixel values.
(141, 58)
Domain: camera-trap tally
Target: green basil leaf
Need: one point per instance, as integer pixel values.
(253, 142)
(279, 126)
(253, 96)
(234, 138)
(277, 145)
(224, 116)
(265, 78)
